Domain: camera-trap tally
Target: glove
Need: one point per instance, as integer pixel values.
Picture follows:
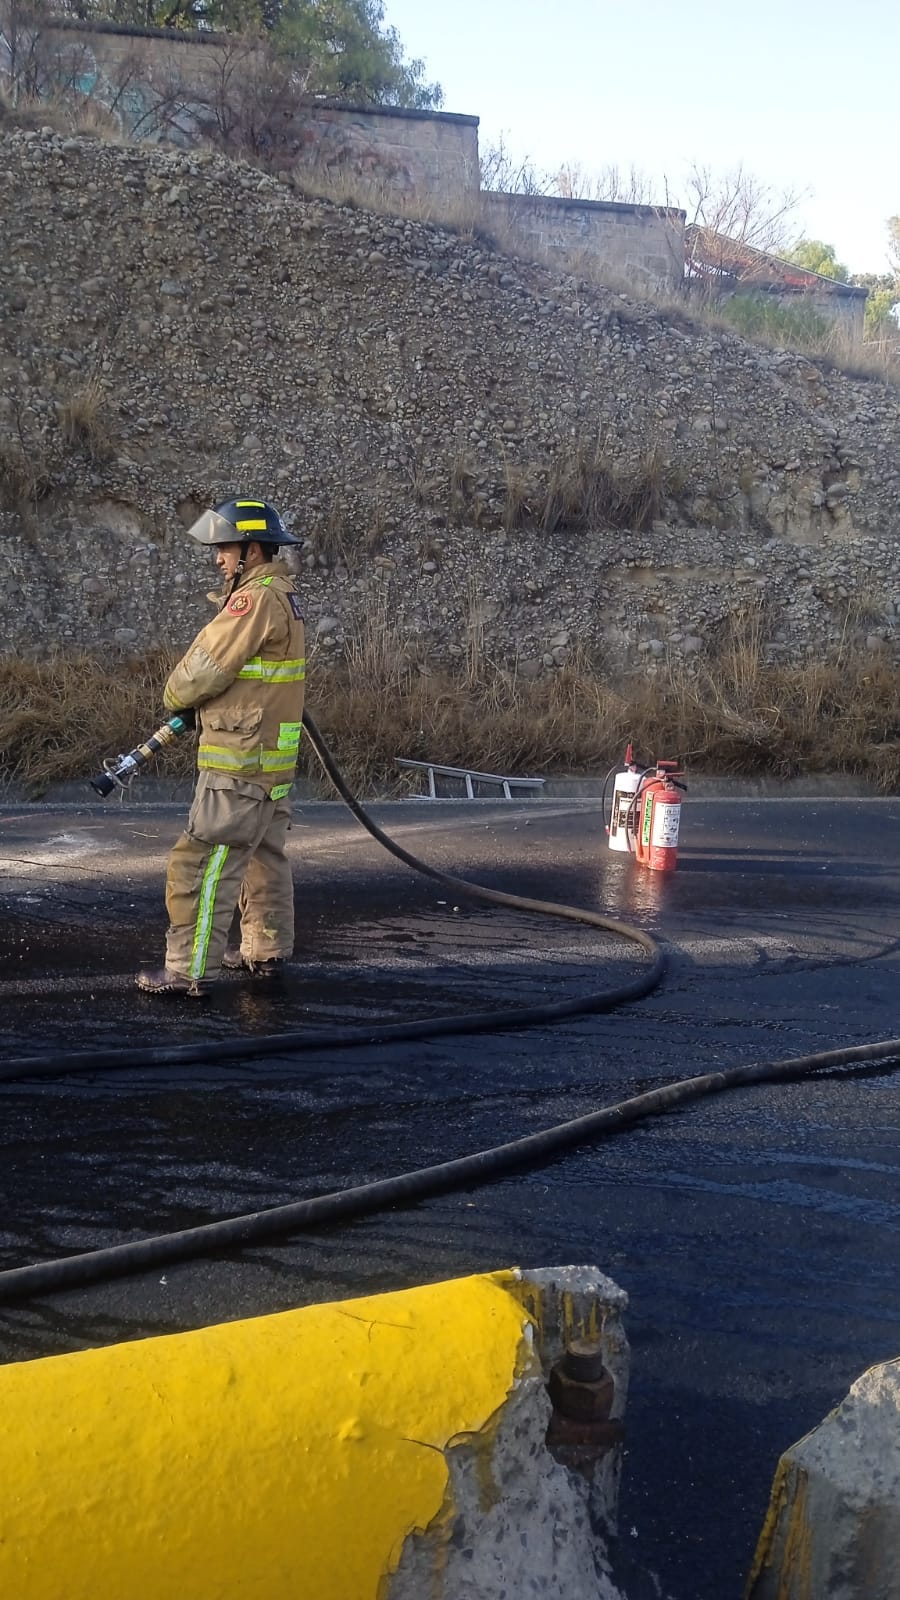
(188, 716)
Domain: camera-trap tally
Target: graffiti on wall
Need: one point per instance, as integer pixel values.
(152, 90)
(347, 145)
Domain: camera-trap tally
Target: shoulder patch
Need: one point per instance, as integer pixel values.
(239, 605)
(293, 601)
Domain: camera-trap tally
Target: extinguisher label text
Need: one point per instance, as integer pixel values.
(621, 811)
(665, 824)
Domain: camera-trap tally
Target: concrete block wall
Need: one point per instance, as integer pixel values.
(632, 243)
(161, 84)
(428, 156)
(846, 313)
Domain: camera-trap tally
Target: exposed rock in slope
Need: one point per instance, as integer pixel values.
(470, 444)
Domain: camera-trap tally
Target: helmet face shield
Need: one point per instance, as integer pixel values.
(213, 529)
(240, 521)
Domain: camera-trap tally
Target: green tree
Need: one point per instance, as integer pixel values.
(881, 322)
(332, 47)
(337, 47)
(883, 304)
(351, 53)
(816, 256)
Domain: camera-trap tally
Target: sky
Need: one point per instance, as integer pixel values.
(806, 96)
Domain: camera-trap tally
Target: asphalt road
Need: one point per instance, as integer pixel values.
(756, 1233)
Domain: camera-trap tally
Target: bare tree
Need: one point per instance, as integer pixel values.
(252, 100)
(893, 252)
(23, 26)
(733, 220)
(610, 183)
(503, 173)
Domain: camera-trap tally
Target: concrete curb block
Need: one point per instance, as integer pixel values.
(378, 1449)
(151, 791)
(833, 1524)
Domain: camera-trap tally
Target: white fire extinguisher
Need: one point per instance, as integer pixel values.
(621, 825)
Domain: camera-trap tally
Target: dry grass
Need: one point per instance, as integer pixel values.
(343, 541)
(582, 488)
(84, 421)
(736, 715)
(24, 476)
(29, 455)
(733, 714)
(25, 465)
(60, 717)
(342, 187)
(64, 112)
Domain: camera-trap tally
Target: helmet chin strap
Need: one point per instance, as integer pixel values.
(238, 574)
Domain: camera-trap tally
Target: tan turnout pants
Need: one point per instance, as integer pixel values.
(231, 853)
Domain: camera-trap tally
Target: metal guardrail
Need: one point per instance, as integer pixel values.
(469, 777)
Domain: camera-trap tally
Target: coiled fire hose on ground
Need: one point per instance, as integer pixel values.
(78, 1271)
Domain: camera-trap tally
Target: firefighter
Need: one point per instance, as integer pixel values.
(244, 677)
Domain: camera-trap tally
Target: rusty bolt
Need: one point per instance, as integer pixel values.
(580, 1386)
(581, 1429)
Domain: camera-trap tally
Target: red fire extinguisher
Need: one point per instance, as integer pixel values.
(658, 817)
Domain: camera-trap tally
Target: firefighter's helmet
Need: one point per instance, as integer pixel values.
(236, 521)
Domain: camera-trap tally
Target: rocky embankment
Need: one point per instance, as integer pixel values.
(476, 450)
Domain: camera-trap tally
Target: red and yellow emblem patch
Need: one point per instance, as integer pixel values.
(240, 605)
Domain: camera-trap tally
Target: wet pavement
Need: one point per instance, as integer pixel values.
(756, 1232)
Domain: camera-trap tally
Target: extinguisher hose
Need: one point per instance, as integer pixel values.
(603, 793)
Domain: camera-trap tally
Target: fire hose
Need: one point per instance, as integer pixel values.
(77, 1271)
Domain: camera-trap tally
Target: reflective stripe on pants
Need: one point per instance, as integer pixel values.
(233, 847)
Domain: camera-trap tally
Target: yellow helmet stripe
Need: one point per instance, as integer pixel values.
(258, 503)
(257, 525)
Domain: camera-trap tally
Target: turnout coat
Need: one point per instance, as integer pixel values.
(244, 674)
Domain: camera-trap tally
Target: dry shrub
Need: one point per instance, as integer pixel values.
(24, 475)
(378, 193)
(62, 716)
(84, 421)
(734, 714)
(583, 489)
(89, 117)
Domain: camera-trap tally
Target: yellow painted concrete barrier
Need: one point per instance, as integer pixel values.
(388, 1448)
(286, 1455)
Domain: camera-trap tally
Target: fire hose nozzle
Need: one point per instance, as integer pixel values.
(103, 784)
(118, 774)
